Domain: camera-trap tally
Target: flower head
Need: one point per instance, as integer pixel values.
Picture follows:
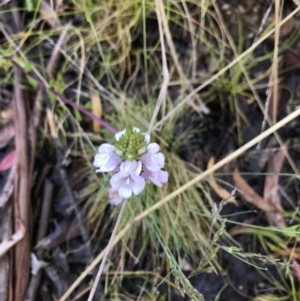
(133, 159)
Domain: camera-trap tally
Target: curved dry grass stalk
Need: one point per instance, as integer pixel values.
(275, 59)
(178, 191)
(190, 96)
(162, 23)
(253, 90)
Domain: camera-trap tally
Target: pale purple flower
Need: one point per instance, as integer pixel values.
(106, 159)
(128, 180)
(156, 177)
(153, 160)
(114, 197)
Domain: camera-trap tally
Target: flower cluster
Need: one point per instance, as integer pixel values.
(133, 159)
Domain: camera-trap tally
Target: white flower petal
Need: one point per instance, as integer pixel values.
(125, 191)
(153, 148)
(117, 180)
(156, 177)
(137, 130)
(126, 166)
(106, 159)
(100, 160)
(159, 159)
(149, 162)
(147, 138)
(120, 134)
(111, 163)
(163, 176)
(106, 148)
(137, 184)
(138, 168)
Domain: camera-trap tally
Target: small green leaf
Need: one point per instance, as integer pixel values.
(5, 64)
(6, 51)
(78, 116)
(26, 66)
(32, 82)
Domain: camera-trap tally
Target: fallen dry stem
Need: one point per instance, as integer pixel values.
(178, 191)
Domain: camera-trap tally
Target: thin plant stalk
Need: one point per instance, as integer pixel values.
(101, 268)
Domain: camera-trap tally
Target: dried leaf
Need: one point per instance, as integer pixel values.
(221, 192)
(96, 108)
(250, 195)
(8, 244)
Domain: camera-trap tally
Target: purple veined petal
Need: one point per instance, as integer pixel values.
(153, 148)
(112, 162)
(125, 191)
(149, 162)
(156, 177)
(137, 184)
(117, 180)
(163, 176)
(131, 167)
(106, 159)
(126, 166)
(117, 169)
(138, 168)
(106, 148)
(100, 160)
(153, 177)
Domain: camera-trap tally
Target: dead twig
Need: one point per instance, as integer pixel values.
(22, 205)
(42, 231)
